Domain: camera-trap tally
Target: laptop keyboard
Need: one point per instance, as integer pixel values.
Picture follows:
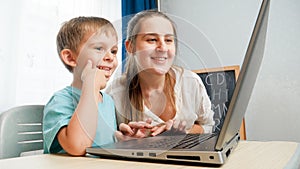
(180, 141)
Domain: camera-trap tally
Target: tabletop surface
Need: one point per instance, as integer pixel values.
(248, 154)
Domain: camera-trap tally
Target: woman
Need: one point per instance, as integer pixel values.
(152, 89)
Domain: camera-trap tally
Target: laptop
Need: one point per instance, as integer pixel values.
(212, 148)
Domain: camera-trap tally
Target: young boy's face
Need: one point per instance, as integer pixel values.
(101, 49)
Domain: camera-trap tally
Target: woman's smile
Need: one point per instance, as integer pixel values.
(159, 59)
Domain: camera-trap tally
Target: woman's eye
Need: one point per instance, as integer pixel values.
(169, 40)
(151, 40)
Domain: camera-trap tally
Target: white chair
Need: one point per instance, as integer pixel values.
(21, 130)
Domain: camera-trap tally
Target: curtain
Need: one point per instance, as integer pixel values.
(30, 69)
(129, 8)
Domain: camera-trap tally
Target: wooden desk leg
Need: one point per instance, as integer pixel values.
(243, 130)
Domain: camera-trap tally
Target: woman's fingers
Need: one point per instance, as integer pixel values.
(149, 121)
(161, 128)
(140, 125)
(169, 124)
(126, 129)
(157, 130)
(144, 129)
(134, 130)
(181, 126)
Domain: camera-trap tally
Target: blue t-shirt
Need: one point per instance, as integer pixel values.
(59, 110)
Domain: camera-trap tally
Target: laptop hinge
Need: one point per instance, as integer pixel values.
(236, 137)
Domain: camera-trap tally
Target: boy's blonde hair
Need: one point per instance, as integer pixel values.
(73, 33)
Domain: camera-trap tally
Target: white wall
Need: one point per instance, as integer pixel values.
(216, 33)
(212, 33)
(274, 107)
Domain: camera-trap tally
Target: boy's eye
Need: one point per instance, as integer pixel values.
(99, 48)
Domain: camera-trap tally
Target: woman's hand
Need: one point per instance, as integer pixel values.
(196, 129)
(141, 129)
(134, 130)
(170, 127)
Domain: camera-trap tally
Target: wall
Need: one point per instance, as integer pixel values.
(216, 33)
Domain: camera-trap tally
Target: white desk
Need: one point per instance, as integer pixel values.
(248, 154)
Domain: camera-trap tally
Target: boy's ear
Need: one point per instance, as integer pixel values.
(68, 57)
(128, 45)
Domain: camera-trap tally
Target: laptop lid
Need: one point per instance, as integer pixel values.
(246, 79)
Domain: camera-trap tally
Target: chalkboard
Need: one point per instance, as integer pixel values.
(220, 84)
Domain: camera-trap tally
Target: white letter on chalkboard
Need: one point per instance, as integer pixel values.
(217, 94)
(224, 109)
(226, 93)
(220, 78)
(207, 81)
(217, 110)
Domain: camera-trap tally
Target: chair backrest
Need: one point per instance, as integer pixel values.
(21, 130)
(220, 83)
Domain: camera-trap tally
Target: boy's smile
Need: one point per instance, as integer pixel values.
(101, 49)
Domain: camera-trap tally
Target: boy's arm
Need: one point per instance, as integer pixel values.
(81, 130)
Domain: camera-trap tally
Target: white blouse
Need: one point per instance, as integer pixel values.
(191, 100)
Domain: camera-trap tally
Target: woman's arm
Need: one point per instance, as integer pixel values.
(196, 129)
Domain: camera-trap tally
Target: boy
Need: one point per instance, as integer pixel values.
(80, 116)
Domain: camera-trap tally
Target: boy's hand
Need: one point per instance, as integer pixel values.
(93, 75)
